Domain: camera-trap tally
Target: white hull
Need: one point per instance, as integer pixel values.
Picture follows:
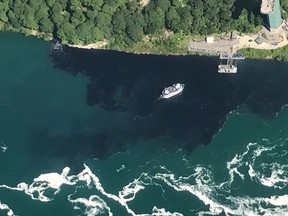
(227, 69)
(174, 93)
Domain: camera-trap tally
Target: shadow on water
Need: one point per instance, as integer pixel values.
(71, 150)
(263, 85)
(250, 5)
(121, 82)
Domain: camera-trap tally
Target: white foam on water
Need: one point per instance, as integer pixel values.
(57, 46)
(92, 180)
(201, 191)
(6, 207)
(255, 206)
(132, 188)
(129, 191)
(253, 150)
(208, 191)
(233, 166)
(199, 183)
(3, 146)
(278, 200)
(94, 205)
(40, 184)
(250, 160)
(162, 212)
(278, 177)
(233, 205)
(121, 168)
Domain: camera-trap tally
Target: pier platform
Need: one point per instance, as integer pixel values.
(228, 62)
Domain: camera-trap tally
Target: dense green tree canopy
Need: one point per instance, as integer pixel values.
(124, 21)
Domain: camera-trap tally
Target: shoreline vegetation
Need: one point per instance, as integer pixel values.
(163, 27)
(279, 54)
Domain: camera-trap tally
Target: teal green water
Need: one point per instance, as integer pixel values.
(30, 93)
(46, 124)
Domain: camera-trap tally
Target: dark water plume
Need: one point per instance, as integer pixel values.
(122, 82)
(51, 119)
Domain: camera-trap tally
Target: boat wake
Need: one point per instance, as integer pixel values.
(3, 146)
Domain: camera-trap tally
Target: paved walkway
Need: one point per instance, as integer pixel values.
(217, 47)
(249, 42)
(272, 40)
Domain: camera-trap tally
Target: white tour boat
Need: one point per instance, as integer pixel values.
(173, 90)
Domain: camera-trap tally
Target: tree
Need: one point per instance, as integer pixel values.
(57, 7)
(111, 3)
(4, 7)
(57, 19)
(84, 33)
(28, 18)
(118, 22)
(225, 15)
(107, 9)
(163, 4)
(13, 20)
(197, 9)
(139, 19)
(35, 4)
(186, 19)
(155, 20)
(258, 21)
(41, 13)
(92, 20)
(77, 17)
(176, 3)
(84, 3)
(96, 34)
(103, 21)
(50, 3)
(3, 17)
(74, 5)
(96, 5)
(29, 22)
(91, 14)
(134, 31)
(133, 6)
(284, 6)
(18, 9)
(243, 23)
(2, 25)
(172, 19)
(66, 32)
(46, 25)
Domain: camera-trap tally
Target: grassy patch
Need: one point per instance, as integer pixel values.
(280, 54)
(159, 44)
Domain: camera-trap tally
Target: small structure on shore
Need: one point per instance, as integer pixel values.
(209, 39)
(259, 40)
(234, 34)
